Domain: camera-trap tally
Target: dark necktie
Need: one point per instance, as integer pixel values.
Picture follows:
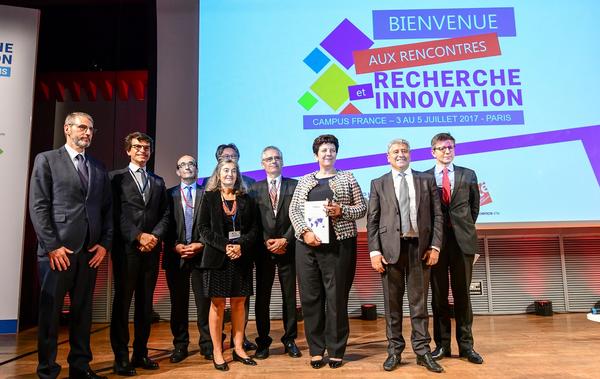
(188, 213)
(404, 202)
(273, 194)
(143, 182)
(446, 189)
(82, 170)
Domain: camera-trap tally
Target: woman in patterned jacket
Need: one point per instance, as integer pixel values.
(326, 270)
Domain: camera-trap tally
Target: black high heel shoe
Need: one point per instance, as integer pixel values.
(247, 361)
(221, 366)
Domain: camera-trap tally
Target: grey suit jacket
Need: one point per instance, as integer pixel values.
(463, 208)
(383, 216)
(61, 212)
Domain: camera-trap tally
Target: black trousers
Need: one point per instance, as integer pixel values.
(325, 275)
(265, 275)
(460, 267)
(134, 273)
(410, 273)
(178, 280)
(79, 281)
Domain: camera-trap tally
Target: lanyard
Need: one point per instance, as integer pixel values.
(140, 187)
(187, 204)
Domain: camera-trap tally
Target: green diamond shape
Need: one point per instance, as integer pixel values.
(332, 86)
(307, 100)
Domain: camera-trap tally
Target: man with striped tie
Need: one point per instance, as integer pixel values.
(273, 196)
(181, 261)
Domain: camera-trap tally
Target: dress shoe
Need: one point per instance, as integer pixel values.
(208, 356)
(124, 368)
(178, 355)
(248, 345)
(440, 352)
(427, 361)
(221, 366)
(262, 352)
(292, 349)
(317, 363)
(335, 363)
(145, 363)
(87, 374)
(247, 361)
(472, 356)
(392, 362)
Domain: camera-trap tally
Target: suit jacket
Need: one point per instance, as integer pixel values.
(176, 232)
(213, 233)
(463, 208)
(133, 216)
(272, 226)
(61, 212)
(383, 216)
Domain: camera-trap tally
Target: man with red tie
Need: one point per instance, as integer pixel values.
(459, 194)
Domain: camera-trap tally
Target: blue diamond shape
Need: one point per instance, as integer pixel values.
(316, 60)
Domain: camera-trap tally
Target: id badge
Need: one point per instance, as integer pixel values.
(234, 235)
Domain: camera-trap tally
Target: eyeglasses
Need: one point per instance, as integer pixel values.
(84, 128)
(272, 159)
(187, 165)
(442, 148)
(229, 157)
(142, 147)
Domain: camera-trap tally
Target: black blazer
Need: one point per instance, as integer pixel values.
(214, 235)
(132, 216)
(272, 226)
(463, 209)
(383, 216)
(61, 213)
(176, 232)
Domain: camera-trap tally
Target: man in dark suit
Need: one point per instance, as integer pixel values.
(404, 226)
(273, 196)
(459, 194)
(71, 211)
(181, 261)
(141, 212)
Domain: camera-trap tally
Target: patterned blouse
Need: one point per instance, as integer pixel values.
(346, 192)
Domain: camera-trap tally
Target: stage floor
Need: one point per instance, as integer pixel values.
(518, 346)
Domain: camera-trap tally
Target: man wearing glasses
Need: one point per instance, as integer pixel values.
(71, 211)
(459, 195)
(273, 196)
(141, 214)
(181, 261)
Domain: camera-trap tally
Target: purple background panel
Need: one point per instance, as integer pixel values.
(343, 40)
(588, 135)
(412, 120)
(504, 27)
(367, 91)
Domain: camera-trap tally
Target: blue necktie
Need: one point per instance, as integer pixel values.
(188, 214)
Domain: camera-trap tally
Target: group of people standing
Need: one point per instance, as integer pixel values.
(421, 226)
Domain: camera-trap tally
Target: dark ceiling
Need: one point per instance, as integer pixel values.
(94, 35)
